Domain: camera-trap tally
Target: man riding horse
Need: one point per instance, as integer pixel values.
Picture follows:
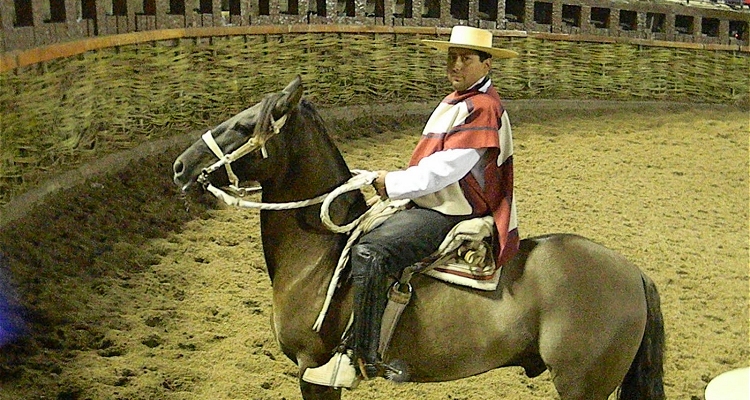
(461, 168)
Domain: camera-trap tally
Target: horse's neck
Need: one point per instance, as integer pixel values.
(313, 164)
(295, 243)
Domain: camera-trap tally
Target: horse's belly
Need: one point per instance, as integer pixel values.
(448, 333)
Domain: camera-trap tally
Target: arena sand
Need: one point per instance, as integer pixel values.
(127, 290)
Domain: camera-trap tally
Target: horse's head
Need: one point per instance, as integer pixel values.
(247, 139)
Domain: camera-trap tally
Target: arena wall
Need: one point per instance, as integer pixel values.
(83, 96)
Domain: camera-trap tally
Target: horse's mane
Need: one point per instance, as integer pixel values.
(309, 112)
(309, 115)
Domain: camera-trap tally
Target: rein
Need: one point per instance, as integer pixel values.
(360, 179)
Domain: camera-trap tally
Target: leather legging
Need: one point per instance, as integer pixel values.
(402, 240)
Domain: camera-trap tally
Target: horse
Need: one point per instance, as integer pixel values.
(564, 303)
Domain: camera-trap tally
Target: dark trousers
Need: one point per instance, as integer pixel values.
(403, 239)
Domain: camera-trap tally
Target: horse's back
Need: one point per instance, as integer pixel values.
(572, 274)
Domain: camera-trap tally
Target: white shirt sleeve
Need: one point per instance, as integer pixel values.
(432, 174)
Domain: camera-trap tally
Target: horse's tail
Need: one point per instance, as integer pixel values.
(645, 378)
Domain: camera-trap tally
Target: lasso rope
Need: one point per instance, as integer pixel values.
(379, 210)
(360, 179)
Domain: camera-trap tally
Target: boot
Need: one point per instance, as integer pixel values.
(338, 372)
(370, 298)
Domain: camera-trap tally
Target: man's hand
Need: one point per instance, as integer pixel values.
(379, 184)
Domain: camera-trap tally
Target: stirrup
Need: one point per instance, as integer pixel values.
(379, 369)
(338, 372)
(369, 371)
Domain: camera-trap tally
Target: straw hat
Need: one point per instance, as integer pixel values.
(467, 37)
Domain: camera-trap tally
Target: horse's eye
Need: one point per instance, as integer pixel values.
(243, 129)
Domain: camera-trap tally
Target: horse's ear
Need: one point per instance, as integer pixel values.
(291, 95)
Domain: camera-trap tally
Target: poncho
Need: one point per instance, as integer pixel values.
(475, 119)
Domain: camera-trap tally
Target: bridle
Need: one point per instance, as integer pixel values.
(265, 129)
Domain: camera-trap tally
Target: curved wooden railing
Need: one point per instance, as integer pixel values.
(23, 58)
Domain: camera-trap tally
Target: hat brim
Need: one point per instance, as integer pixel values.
(495, 53)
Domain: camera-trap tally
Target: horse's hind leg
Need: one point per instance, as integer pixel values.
(588, 365)
(589, 353)
(573, 385)
(593, 316)
(317, 392)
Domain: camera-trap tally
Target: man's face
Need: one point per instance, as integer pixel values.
(465, 69)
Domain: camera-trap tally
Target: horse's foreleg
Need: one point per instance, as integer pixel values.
(317, 392)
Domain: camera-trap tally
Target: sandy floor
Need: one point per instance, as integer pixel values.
(128, 291)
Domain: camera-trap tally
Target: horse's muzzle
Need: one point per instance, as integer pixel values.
(179, 175)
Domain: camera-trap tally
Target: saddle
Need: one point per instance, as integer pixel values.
(465, 257)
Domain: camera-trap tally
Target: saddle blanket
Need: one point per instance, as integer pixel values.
(460, 275)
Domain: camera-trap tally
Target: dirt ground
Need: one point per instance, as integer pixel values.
(120, 288)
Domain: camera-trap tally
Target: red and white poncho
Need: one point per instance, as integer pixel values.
(463, 163)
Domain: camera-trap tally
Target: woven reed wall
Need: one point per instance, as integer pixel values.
(64, 112)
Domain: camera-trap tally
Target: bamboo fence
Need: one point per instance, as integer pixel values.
(62, 112)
